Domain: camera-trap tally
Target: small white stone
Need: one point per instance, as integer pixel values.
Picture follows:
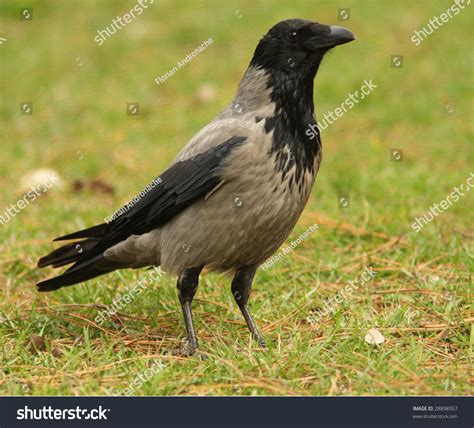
(41, 180)
(374, 337)
(207, 93)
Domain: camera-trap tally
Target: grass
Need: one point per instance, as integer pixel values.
(421, 297)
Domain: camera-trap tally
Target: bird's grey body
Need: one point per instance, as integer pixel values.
(244, 219)
(234, 192)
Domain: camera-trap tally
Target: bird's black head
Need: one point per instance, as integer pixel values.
(297, 46)
(290, 54)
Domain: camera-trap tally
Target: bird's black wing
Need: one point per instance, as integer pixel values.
(178, 187)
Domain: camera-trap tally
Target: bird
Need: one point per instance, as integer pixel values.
(233, 194)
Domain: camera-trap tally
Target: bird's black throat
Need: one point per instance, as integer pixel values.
(292, 94)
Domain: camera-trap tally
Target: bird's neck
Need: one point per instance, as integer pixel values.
(286, 104)
(268, 93)
(294, 112)
(293, 98)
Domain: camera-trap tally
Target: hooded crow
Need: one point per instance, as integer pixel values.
(234, 192)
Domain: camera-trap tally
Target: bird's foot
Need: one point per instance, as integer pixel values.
(191, 348)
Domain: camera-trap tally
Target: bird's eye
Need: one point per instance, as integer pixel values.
(293, 36)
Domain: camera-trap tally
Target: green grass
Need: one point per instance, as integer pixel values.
(421, 298)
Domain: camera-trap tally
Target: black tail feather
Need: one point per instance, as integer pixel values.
(87, 263)
(91, 232)
(78, 273)
(67, 254)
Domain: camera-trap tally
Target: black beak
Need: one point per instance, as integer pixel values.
(339, 36)
(329, 37)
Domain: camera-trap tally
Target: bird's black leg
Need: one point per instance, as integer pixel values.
(187, 285)
(241, 288)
